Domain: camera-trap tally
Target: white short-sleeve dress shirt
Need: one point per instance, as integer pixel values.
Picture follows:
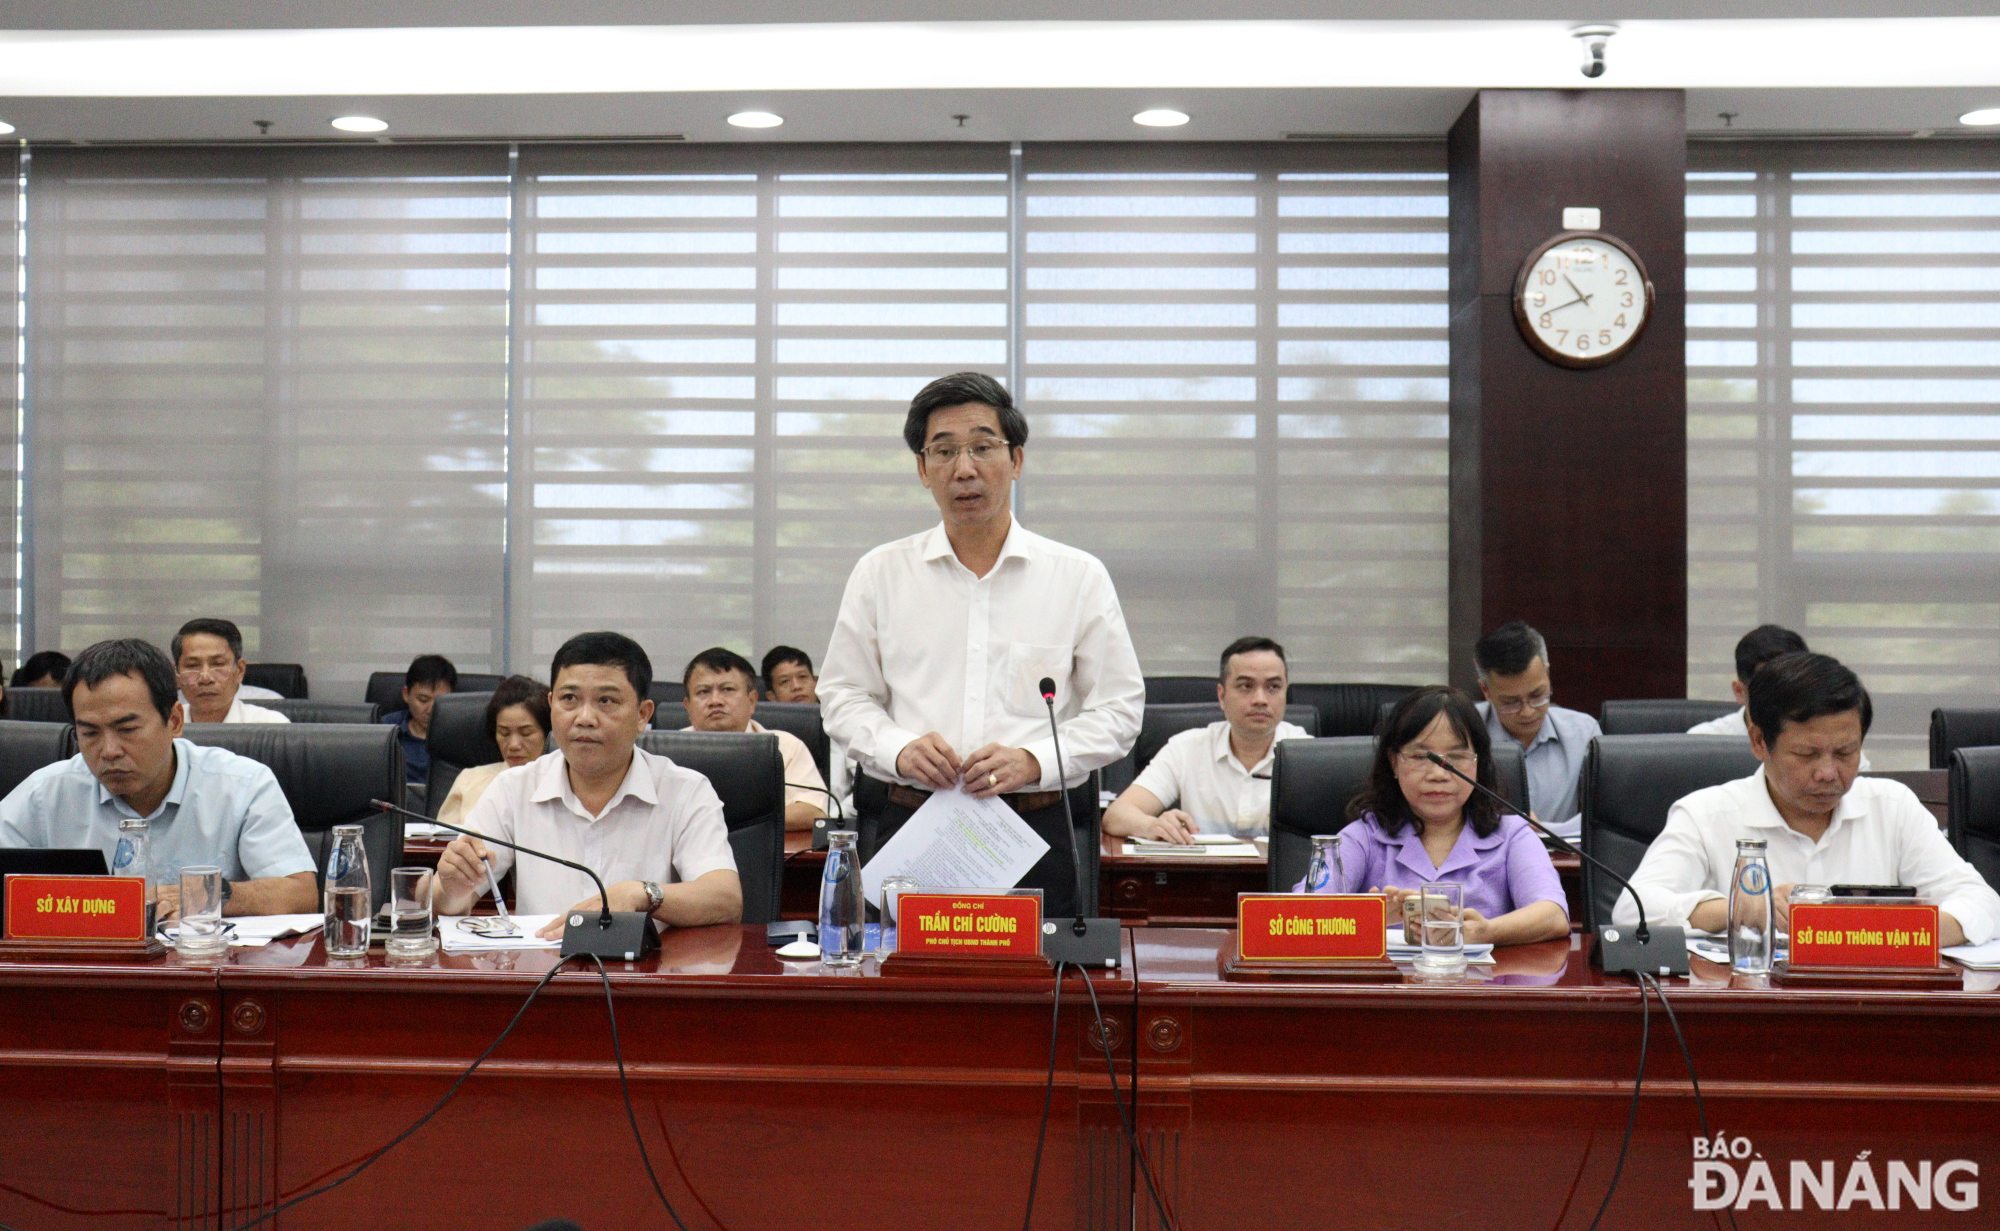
(922, 645)
(1880, 835)
(1196, 772)
(663, 824)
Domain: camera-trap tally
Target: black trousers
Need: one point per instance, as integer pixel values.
(1054, 873)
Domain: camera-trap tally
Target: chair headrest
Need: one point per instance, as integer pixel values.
(1631, 781)
(1662, 716)
(457, 733)
(36, 705)
(329, 773)
(1312, 781)
(1951, 729)
(28, 746)
(1349, 709)
(303, 710)
(745, 768)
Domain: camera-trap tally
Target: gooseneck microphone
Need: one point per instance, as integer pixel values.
(819, 830)
(619, 936)
(1086, 941)
(1645, 950)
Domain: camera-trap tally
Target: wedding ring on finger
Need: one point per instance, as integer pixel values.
(993, 780)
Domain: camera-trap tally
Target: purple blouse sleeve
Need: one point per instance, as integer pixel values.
(1531, 875)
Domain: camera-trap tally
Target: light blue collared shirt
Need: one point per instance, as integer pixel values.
(223, 809)
(1554, 759)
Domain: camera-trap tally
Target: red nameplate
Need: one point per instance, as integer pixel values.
(76, 907)
(1900, 935)
(969, 924)
(1311, 927)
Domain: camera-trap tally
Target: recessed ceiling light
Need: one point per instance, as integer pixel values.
(756, 119)
(1982, 117)
(1161, 117)
(5, 128)
(360, 124)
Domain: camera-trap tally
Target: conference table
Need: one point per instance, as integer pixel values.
(779, 1094)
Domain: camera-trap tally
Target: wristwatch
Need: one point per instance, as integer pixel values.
(655, 896)
(228, 891)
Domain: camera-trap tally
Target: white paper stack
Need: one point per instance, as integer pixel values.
(456, 939)
(254, 931)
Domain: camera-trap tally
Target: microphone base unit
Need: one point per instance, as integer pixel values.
(630, 936)
(1100, 947)
(1664, 952)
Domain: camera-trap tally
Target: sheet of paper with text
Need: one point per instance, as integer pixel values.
(957, 842)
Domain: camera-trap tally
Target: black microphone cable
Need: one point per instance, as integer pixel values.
(1687, 1057)
(1048, 1094)
(625, 1088)
(1124, 1120)
(1632, 1118)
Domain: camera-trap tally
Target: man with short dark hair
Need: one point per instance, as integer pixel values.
(44, 669)
(208, 659)
(651, 829)
(1217, 778)
(202, 805)
(933, 674)
(721, 695)
(1821, 822)
(788, 676)
(1513, 665)
(430, 676)
(1758, 646)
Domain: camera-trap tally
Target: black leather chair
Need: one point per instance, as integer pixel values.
(286, 679)
(329, 775)
(1349, 709)
(1629, 783)
(802, 719)
(667, 694)
(308, 711)
(1974, 816)
(35, 705)
(1162, 722)
(385, 688)
(1950, 731)
(1664, 716)
(28, 746)
(457, 741)
(1179, 689)
(748, 773)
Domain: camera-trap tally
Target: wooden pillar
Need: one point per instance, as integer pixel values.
(1569, 486)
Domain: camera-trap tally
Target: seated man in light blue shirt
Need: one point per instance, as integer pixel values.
(1513, 663)
(203, 805)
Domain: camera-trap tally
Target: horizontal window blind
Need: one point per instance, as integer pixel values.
(14, 398)
(270, 385)
(1844, 418)
(1235, 366)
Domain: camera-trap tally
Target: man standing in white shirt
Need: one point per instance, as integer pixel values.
(208, 659)
(1217, 778)
(651, 829)
(1758, 646)
(1823, 824)
(722, 696)
(932, 679)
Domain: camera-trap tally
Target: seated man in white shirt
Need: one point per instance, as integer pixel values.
(208, 658)
(1758, 646)
(1217, 778)
(722, 696)
(651, 829)
(1823, 824)
(203, 806)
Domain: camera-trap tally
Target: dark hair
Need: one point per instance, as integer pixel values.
(779, 656)
(518, 690)
(956, 390)
(125, 656)
(225, 629)
(718, 659)
(1508, 649)
(1383, 793)
(51, 663)
(606, 649)
(1764, 643)
(1802, 687)
(431, 669)
(1246, 645)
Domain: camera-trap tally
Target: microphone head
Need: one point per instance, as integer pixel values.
(1433, 758)
(1048, 688)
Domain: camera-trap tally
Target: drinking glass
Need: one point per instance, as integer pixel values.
(410, 933)
(201, 932)
(1442, 909)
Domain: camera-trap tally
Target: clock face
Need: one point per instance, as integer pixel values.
(1582, 299)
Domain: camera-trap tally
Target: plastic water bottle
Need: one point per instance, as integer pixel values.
(843, 925)
(132, 857)
(349, 895)
(1323, 874)
(1752, 923)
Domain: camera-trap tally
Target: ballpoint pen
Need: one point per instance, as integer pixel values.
(499, 903)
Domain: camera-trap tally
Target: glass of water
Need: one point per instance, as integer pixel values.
(410, 933)
(1441, 911)
(201, 932)
(893, 889)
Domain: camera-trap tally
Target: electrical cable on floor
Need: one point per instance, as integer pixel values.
(1124, 1120)
(625, 1087)
(1048, 1094)
(1645, 1032)
(1687, 1057)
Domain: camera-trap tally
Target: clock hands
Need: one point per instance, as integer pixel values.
(1581, 298)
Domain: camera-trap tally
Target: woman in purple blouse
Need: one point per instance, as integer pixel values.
(1413, 822)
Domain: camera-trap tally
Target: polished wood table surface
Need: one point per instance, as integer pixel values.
(1499, 1101)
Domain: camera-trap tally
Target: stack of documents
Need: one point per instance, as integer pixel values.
(255, 931)
(456, 939)
(1976, 957)
(1205, 845)
(1401, 950)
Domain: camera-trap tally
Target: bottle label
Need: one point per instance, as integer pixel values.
(1753, 880)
